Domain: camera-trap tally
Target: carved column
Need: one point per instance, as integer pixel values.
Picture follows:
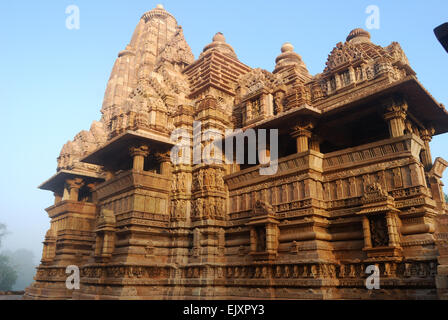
(139, 154)
(303, 134)
(314, 143)
(426, 136)
(73, 186)
(57, 198)
(253, 240)
(271, 237)
(92, 188)
(338, 81)
(98, 246)
(165, 163)
(395, 116)
(351, 71)
(108, 243)
(66, 193)
(367, 236)
(329, 88)
(394, 240)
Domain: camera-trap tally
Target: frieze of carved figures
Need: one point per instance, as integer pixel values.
(206, 178)
(314, 271)
(198, 208)
(209, 179)
(174, 183)
(194, 182)
(182, 182)
(219, 179)
(200, 179)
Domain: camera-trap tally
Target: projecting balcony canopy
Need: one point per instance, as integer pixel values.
(288, 117)
(116, 151)
(57, 182)
(423, 108)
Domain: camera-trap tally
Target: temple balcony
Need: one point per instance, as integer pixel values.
(78, 208)
(332, 180)
(132, 195)
(128, 180)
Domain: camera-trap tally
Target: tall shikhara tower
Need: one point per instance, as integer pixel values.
(356, 184)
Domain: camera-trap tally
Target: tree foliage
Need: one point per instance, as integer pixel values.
(3, 232)
(8, 274)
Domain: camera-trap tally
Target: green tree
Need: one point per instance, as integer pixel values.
(446, 197)
(8, 274)
(3, 232)
(22, 261)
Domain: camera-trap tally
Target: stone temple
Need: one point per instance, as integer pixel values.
(356, 184)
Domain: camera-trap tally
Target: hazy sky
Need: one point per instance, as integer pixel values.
(53, 79)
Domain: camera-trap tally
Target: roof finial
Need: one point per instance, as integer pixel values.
(287, 47)
(159, 6)
(287, 58)
(219, 43)
(219, 37)
(358, 35)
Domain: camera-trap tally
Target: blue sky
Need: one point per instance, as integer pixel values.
(53, 79)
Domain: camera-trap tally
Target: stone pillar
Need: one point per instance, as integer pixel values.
(248, 111)
(303, 134)
(314, 143)
(351, 71)
(329, 89)
(73, 186)
(57, 198)
(165, 163)
(395, 116)
(426, 136)
(394, 240)
(66, 193)
(338, 81)
(139, 154)
(108, 243)
(98, 245)
(253, 239)
(271, 237)
(367, 236)
(92, 188)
